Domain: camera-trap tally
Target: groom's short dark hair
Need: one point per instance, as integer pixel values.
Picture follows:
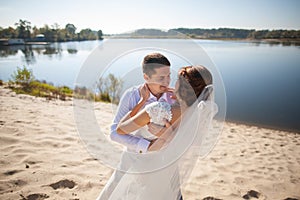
(153, 61)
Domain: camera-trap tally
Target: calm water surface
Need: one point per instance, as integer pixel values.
(261, 80)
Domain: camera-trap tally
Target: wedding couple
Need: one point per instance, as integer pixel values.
(151, 121)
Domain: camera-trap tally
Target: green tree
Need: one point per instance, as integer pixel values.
(87, 34)
(100, 35)
(48, 33)
(23, 29)
(8, 33)
(35, 31)
(55, 32)
(61, 35)
(70, 30)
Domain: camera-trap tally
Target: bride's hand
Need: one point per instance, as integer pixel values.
(155, 129)
(156, 144)
(172, 93)
(158, 130)
(144, 92)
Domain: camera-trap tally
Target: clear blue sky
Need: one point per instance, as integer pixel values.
(118, 16)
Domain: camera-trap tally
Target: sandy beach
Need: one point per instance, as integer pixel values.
(42, 157)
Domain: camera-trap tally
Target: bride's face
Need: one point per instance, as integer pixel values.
(181, 82)
(176, 89)
(176, 86)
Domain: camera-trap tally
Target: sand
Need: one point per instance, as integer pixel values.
(42, 157)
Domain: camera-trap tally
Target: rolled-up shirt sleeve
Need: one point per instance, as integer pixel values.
(133, 143)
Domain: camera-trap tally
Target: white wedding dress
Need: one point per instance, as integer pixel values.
(159, 175)
(134, 181)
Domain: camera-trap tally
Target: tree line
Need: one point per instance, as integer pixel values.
(220, 33)
(231, 33)
(24, 30)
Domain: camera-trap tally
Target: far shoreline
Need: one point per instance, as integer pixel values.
(286, 42)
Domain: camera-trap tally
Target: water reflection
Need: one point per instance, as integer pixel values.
(55, 50)
(29, 57)
(29, 52)
(6, 51)
(271, 42)
(72, 51)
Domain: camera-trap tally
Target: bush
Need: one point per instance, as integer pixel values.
(109, 88)
(105, 97)
(43, 87)
(66, 90)
(23, 76)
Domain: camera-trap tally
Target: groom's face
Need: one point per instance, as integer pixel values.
(160, 80)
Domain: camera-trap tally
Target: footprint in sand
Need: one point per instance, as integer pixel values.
(12, 172)
(250, 194)
(63, 184)
(35, 197)
(211, 198)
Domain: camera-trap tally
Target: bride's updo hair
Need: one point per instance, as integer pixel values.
(192, 81)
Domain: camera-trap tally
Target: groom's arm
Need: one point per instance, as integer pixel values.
(127, 103)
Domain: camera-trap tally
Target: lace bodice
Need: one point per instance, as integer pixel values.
(158, 111)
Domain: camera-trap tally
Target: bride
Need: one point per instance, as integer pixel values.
(156, 174)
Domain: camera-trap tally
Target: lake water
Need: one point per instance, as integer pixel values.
(261, 80)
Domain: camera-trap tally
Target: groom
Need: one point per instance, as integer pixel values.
(156, 70)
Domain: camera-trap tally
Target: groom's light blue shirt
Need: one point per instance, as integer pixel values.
(128, 101)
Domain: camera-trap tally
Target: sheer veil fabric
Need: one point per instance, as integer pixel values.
(160, 175)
